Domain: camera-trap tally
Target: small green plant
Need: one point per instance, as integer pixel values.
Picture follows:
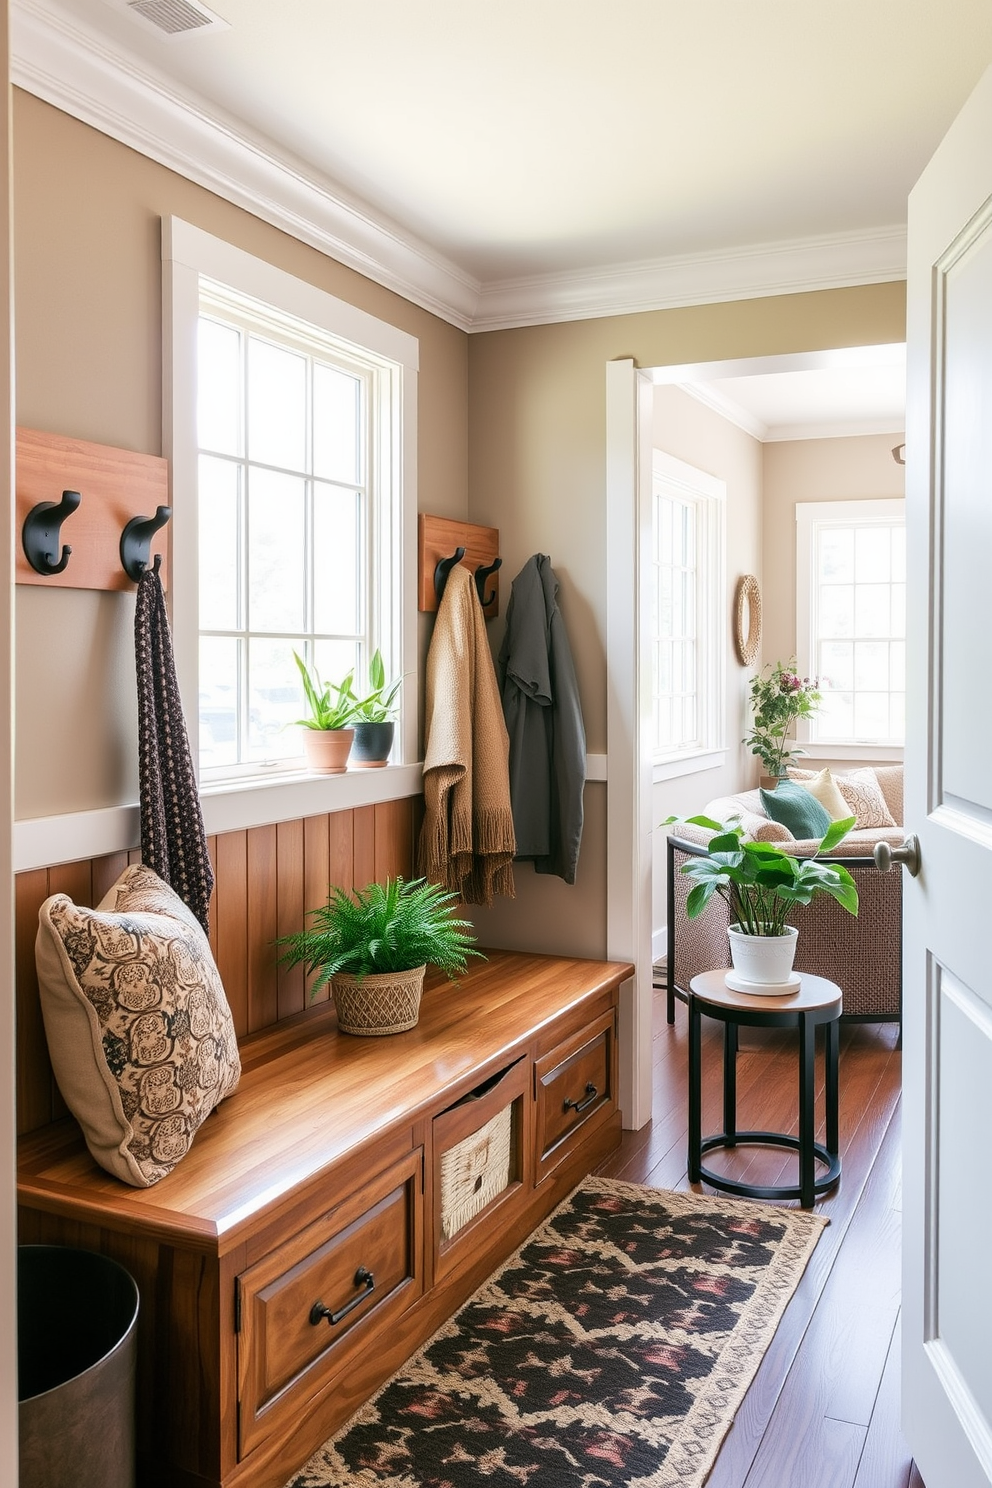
(384, 927)
(377, 704)
(777, 701)
(331, 707)
(760, 882)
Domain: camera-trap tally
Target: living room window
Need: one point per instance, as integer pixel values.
(687, 590)
(293, 432)
(851, 619)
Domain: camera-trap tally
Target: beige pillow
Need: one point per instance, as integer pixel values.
(824, 787)
(139, 1029)
(863, 794)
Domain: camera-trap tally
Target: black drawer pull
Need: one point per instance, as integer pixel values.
(364, 1279)
(582, 1105)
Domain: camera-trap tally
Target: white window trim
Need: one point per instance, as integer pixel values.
(711, 492)
(189, 253)
(811, 514)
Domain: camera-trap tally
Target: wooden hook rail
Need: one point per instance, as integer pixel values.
(114, 491)
(443, 542)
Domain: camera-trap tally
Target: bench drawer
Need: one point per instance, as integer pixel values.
(310, 1303)
(574, 1085)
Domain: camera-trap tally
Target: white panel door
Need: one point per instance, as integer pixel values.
(947, 1332)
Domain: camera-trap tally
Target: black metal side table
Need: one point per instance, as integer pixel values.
(816, 1001)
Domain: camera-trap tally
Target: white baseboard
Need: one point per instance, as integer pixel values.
(659, 945)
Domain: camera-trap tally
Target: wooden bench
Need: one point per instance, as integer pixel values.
(296, 1257)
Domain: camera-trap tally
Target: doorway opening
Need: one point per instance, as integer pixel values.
(743, 415)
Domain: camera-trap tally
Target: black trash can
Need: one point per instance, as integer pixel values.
(77, 1331)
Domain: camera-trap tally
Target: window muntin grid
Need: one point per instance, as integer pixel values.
(858, 621)
(676, 623)
(287, 514)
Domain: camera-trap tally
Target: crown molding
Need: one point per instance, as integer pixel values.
(71, 66)
(755, 272)
(78, 70)
(728, 408)
(837, 429)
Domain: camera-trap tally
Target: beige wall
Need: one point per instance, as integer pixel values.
(537, 469)
(89, 357)
(512, 432)
(684, 428)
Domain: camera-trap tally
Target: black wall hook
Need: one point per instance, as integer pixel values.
(481, 575)
(442, 569)
(136, 541)
(40, 534)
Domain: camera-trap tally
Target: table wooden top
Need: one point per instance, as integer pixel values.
(310, 1095)
(815, 993)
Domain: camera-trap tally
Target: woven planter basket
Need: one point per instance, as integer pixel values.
(383, 1002)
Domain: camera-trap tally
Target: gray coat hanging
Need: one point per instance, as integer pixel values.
(544, 721)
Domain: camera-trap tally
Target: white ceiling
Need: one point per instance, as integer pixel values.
(548, 145)
(861, 391)
(540, 159)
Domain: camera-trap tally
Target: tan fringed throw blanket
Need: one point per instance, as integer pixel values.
(466, 842)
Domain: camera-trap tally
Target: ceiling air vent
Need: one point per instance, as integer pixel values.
(176, 17)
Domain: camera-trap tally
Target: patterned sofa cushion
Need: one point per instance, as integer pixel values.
(860, 791)
(139, 1029)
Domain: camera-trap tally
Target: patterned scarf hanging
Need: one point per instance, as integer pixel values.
(173, 839)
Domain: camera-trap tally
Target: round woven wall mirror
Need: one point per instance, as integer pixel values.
(747, 620)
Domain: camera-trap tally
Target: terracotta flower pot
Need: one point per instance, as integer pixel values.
(327, 750)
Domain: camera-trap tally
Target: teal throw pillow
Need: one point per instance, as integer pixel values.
(795, 807)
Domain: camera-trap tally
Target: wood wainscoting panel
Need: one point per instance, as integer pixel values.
(35, 1082)
(262, 927)
(266, 879)
(290, 986)
(231, 889)
(321, 835)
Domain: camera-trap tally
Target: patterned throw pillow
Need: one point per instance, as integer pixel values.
(858, 790)
(139, 1030)
(863, 794)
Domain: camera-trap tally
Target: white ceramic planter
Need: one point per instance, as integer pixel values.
(765, 960)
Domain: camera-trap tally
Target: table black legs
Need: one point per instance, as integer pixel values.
(695, 1094)
(810, 1151)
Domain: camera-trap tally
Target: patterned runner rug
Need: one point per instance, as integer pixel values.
(612, 1349)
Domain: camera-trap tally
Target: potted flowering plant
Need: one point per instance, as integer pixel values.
(778, 700)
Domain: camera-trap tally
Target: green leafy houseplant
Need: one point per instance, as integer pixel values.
(393, 927)
(777, 702)
(759, 880)
(331, 707)
(377, 704)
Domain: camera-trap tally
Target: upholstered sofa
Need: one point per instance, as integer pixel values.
(862, 955)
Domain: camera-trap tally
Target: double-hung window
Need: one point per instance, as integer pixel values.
(293, 427)
(851, 619)
(687, 600)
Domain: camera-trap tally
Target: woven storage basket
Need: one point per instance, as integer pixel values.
(474, 1171)
(380, 1003)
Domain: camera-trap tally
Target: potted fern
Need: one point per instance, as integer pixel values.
(328, 731)
(373, 947)
(761, 884)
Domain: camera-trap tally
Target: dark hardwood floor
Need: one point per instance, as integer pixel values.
(823, 1410)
